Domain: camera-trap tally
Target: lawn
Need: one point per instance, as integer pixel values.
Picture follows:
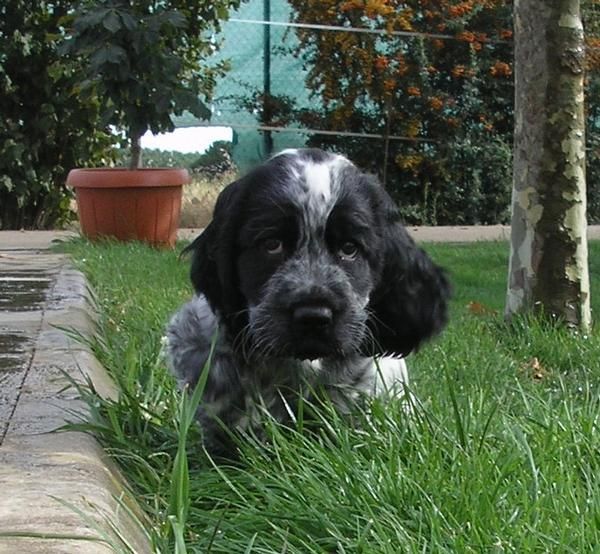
(502, 455)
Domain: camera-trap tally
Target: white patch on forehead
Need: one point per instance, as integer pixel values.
(319, 188)
(322, 178)
(313, 184)
(289, 151)
(318, 181)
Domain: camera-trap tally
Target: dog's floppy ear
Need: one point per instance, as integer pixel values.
(214, 252)
(410, 303)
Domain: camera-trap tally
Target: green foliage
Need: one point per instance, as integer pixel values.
(593, 182)
(478, 182)
(146, 60)
(154, 157)
(44, 130)
(449, 98)
(216, 159)
(448, 93)
(593, 131)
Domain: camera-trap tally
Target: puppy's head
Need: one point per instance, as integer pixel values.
(306, 257)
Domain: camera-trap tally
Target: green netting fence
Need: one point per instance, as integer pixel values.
(442, 145)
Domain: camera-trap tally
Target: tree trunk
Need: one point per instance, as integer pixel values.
(136, 152)
(548, 269)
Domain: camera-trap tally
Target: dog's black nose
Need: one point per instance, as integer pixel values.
(312, 315)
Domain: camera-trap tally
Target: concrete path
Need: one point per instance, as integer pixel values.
(455, 233)
(47, 477)
(449, 233)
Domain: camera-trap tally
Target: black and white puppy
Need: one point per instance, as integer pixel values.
(312, 282)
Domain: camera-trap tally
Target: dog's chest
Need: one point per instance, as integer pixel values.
(276, 388)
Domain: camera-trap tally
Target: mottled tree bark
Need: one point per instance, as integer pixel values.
(548, 264)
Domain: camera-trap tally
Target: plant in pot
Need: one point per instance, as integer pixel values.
(145, 62)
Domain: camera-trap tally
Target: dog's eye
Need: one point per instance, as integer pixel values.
(348, 250)
(273, 246)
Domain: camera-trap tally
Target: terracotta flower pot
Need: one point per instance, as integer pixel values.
(140, 204)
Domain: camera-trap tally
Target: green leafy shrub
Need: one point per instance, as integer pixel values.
(437, 81)
(216, 160)
(592, 82)
(441, 103)
(154, 157)
(593, 184)
(44, 130)
(147, 61)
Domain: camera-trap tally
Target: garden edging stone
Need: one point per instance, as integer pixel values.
(60, 491)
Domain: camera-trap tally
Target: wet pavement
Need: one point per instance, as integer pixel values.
(26, 279)
(46, 477)
(20, 292)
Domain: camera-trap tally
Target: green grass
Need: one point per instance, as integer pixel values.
(502, 455)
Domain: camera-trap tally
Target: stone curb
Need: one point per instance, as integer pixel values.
(47, 477)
